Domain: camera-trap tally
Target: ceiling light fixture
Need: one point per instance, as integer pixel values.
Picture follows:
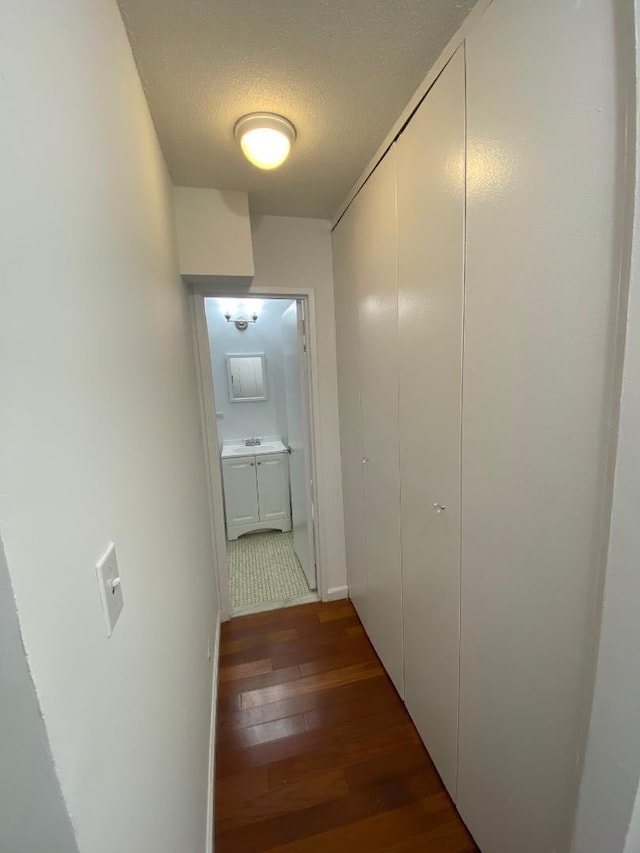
(265, 138)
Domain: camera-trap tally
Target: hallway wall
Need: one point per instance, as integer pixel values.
(296, 252)
(100, 433)
(33, 815)
(608, 814)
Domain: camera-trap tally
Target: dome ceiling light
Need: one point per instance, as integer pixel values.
(265, 138)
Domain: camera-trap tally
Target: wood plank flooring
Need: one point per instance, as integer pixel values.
(315, 750)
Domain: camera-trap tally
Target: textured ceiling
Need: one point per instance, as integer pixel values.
(341, 70)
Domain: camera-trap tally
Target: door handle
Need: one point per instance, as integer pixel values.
(365, 459)
(439, 507)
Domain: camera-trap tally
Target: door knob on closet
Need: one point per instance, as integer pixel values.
(439, 507)
(365, 459)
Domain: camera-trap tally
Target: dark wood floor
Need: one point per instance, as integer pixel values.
(315, 750)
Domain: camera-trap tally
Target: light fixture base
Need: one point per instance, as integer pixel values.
(269, 121)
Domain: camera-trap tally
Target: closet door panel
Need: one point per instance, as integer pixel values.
(431, 166)
(377, 286)
(348, 346)
(544, 146)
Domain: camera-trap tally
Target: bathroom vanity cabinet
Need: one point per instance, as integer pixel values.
(256, 492)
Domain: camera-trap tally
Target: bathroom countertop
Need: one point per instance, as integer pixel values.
(239, 448)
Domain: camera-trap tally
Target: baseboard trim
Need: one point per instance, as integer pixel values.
(215, 653)
(335, 593)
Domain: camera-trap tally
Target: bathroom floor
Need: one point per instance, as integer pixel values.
(264, 569)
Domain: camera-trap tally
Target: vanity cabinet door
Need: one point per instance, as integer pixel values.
(273, 486)
(240, 490)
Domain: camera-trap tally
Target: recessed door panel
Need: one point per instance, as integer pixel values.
(378, 362)
(431, 170)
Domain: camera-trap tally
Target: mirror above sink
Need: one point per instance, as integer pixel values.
(247, 377)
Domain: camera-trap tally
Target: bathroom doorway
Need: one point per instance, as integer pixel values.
(261, 455)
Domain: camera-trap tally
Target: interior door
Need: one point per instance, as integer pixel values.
(377, 297)
(240, 491)
(296, 378)
(273, 492)
(431, 195)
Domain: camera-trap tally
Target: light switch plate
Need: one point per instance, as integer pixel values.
(110, 588)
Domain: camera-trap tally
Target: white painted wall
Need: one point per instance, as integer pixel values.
(612, 764)
(33, 815)
(608, 815)
(247, 419)
(100, 432)
(213, 232)
(632, 844)
(345, 268)
(295, 252)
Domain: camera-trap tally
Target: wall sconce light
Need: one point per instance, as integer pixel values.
(265, 138)
(241, 313)
(241, 323)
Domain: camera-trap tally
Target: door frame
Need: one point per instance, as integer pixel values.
(211, 445)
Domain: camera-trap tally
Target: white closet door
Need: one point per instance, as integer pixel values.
(377, 289)
(348, 345)
(431, 167)
(545, 135)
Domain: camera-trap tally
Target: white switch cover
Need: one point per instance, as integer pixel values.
(110, 589)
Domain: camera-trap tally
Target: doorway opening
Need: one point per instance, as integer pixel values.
(263, 452)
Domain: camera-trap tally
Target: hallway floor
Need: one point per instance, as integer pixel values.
(264, 569)
(315, 750)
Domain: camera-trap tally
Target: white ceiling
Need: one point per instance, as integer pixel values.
(341, 70)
